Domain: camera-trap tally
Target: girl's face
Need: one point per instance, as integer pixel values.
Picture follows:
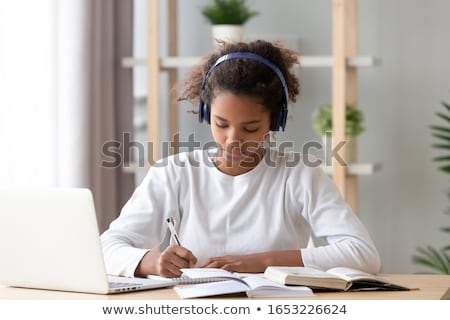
(239, 124)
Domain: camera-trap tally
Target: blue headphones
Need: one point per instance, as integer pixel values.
(279, 120)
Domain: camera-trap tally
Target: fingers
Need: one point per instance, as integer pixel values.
(175, 258)
(210, 263)
(185, 254)
(230, 263)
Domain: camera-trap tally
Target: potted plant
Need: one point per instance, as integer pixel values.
(323, 125)
(227, 18)
(438, 259)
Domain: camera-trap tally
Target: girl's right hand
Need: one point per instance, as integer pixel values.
(174, 258)
(167, 263)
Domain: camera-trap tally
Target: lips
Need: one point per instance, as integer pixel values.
(235, 154)
(238, 152)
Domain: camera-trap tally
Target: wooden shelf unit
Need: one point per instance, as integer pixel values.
(343, 61)
(167, 63)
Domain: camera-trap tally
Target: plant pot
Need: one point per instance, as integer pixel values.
(350, 147)
(227, 33)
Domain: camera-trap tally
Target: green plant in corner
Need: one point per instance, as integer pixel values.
(233, 12)
(430, 257)
(322, 121)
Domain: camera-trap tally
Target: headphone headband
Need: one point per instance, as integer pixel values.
(280, 118)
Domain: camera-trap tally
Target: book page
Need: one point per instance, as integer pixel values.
(210, 289)
(306, 272)
(255, 282)
(350, 274)
(253, 286)
(196, 273)
(258, 283)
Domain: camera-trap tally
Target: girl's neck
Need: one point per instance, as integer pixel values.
(235, 167)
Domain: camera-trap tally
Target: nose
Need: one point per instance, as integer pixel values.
(233, 137)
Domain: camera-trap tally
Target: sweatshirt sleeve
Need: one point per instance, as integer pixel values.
(347, 242)
(140, 225)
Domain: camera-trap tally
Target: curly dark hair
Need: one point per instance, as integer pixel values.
(244, 76)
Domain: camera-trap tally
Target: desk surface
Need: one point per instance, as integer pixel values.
(430, 287)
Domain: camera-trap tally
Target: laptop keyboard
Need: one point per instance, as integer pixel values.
(116, 285)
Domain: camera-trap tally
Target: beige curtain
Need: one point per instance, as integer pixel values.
(94, 98)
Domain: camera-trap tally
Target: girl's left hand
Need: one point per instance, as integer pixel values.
(246, 263)
(254, 263)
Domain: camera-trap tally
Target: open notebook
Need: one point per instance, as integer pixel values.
(204, 282)
(49, 239)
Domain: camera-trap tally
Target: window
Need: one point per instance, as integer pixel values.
(27, 95)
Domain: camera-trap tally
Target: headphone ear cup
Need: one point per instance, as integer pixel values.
(274, 122)
(200, 111)
(279, 120)
(203, 112)
(283, 118)
(206, 113)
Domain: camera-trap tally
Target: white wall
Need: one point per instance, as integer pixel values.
(402, 204)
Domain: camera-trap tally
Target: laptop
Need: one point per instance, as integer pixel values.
(49, 239)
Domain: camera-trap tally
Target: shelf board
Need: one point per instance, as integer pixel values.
(361, 169)
(168, 63)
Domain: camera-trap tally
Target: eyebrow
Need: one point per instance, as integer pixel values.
(247, 122)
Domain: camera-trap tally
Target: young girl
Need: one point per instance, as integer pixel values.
(243, 206)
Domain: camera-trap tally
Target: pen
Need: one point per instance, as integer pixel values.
(173, 232)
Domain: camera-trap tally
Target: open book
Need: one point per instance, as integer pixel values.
(212, 282)
(341, 279)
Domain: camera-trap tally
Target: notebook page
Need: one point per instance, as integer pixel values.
(262, 287)
(210, 289)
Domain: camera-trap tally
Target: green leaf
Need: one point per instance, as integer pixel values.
(441, 146)
(426, 263)
(441, 259)
(442, 158)
(446, 256)
(445, 169)
(424, 252)
(445, 229)
(443, 116)
(441, 136)
(445, 104)
(322, 120)
(228, 12)
(439, 128)
(433, 259)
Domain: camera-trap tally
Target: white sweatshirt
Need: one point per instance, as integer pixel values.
(278, 205)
